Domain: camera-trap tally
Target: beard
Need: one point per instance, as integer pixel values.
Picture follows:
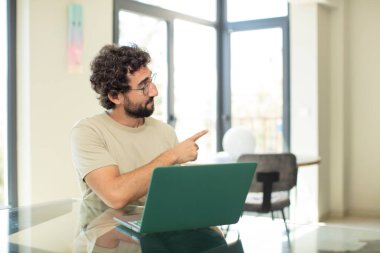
(138, 110)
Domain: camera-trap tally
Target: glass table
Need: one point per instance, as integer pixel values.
(74, 226)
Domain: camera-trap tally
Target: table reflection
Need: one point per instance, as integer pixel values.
(73, 226)
(98, 232)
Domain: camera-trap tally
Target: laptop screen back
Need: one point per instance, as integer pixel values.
(188, 197)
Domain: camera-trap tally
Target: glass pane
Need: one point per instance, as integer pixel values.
(205, 9)
(239, 10)
(151, 34)
(195, 84)
(257, 85)
(3, 100)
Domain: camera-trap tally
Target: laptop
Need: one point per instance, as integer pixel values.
(194, 196)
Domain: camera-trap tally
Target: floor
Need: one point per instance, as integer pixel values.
(356, 222)
(348, 235)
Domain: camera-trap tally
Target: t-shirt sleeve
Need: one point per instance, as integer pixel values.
(173, 137)
(89, 151)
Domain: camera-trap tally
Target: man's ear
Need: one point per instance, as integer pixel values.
(116, 99)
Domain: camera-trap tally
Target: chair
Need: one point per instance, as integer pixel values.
(276, 175)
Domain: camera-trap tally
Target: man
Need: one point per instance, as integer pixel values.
(116, 151)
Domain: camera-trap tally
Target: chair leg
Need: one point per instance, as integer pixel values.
(227, 230)
(283, 217)
(271, 212)
(286, 227)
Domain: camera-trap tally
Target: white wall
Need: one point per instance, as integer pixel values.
(336, 173)
(304, 104)
(340, 62)
(51, 100)
(363, 103)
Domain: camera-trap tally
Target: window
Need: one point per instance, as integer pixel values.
(151, 34)
(216, 72)
(240, 10)
(259, 65)
(256, 86)
(195, 84)
(205, 9)
(187, 84)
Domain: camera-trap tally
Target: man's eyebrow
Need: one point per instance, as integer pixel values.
(145, 79)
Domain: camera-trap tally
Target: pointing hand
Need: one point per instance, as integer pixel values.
(187, 150)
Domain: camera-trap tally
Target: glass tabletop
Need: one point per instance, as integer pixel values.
(75, 226)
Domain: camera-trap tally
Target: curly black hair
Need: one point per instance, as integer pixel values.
(110, 68)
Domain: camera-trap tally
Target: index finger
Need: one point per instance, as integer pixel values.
(198, 135)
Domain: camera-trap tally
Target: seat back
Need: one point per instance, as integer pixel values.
(283, 163)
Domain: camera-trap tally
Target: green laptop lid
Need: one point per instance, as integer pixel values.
(196, 196)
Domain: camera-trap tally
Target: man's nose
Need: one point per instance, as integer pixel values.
(153, 91)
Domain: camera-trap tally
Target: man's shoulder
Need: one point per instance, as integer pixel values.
(91, 120)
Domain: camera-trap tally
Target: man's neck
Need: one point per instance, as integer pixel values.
(124, 119)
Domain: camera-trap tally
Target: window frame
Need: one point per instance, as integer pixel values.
(11, 144)
(223, 30)
(168, 16)
(283, 24)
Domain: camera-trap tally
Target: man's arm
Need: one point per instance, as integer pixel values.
(117, 190)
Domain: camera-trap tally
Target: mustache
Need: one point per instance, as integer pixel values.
(151, 99)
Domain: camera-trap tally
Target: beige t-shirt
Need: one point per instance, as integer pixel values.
(99, 141)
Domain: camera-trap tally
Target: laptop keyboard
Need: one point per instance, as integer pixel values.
(136, 223)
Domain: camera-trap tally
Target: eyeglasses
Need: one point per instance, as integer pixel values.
(145, 84)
